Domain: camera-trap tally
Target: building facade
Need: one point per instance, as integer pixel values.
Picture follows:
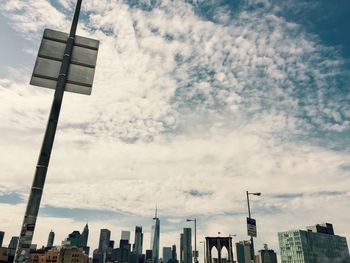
(266, 256)
(243, 252)
(138, 240)
(50, 239)
(155, 236)
(187, 245)
(167, 255)
(317, 244)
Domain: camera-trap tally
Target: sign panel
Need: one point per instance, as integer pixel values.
(48, 63)
(251, 227)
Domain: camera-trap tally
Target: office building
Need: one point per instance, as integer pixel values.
(105, 236)
(64, 255)
(174, 255)
(243, 252)
(125, 235)
(2, 234)
(12, 249)
(149, 255)
(316, 244)
(98, 256)
(85, 236)
(138, 240)
(181, 248)
(73, 254)
(155, 236)
(50, 239)
(74, 239)
(187, 245)
(167, 255)
(266, 256)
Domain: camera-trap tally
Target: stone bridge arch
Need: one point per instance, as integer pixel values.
(218, 243)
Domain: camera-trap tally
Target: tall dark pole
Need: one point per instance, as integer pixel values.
(31, 213)
(252, 256)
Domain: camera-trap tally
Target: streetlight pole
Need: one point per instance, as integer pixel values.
(252, 256)
(31, 213)
(203, 250)
(195, 237)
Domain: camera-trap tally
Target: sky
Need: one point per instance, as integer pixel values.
(194, 102)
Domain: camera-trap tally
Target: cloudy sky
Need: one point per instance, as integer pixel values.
(194, 102)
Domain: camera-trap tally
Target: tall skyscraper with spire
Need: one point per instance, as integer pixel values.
(51, 239)
(84, 239)
(155, 236)
(85, 236)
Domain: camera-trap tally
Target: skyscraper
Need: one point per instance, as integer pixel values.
(12, 248)
(85, 236)
(181, 248)
(155, 236)
(125, 235)
(105, 236)
(317, 244)
(187, 245)
(74, 238)
(51, 239)
(138, 240)
(243, 252)
(174, 254)
(166, 254)
(267, 255)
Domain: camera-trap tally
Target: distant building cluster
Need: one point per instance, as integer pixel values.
(316, 244)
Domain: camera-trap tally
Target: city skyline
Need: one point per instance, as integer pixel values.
(194, 103)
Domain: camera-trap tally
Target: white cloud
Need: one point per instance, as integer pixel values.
(181, 105)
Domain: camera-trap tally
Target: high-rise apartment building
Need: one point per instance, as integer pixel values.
(187, 245)
(50, 239)
(155, 236)
(138, 240)
(316, 244)
(167, 254)
(243, 252)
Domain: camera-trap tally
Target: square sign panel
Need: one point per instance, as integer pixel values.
(81, 69)
(251, 227)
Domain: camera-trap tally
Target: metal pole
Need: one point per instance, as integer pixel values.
(252, 256)
(31, 213)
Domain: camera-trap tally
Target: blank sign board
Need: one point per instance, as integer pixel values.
(81, 69)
